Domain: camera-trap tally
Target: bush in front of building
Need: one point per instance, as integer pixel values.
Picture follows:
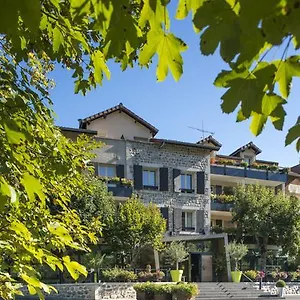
(179, 291)
(118, 275)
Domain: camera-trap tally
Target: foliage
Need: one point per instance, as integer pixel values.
(236, 252)
(40, 171)
(252, 274)
(176, 252)
(98, 203)
(260, 213)
(223, 198)
(280, 283)
(93, 260)
(118, 275)
(135, 225)
(122, 181)
(188, 289)
(149, 276)
(82, 35)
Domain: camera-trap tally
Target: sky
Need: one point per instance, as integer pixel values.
(173, 107)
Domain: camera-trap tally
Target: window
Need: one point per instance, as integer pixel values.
(149, 178)
(248, 159)
(219, 223)
(186, 182)
(107, 171)
(188, 221)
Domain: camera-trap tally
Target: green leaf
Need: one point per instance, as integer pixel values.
(185, 6)
(286, 70)
(13, 132)
(79, 8)
(20, 229)
(168, 48)
(100, 66)
(32, 186)
(74, 268)
(155, 14)
(61, 232)
(293, 133)
(31, 14)
(258, 122)
(58, 39)
(8, 16)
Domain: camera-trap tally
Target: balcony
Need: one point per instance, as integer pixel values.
(120, 190)
(248, 172)
(219, 206)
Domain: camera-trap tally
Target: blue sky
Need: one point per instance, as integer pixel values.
(174, 106)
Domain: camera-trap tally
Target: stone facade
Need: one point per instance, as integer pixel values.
(155, 156)
(89, 291)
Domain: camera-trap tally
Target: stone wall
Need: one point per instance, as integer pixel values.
(89, 291)
(172, 157)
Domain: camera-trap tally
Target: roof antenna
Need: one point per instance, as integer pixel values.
(202, 130)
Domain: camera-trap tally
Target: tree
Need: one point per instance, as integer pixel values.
(40, 171)
(260, 213)
(236, 252)
(176, 252)
(97, 203)
(135, 225)
(83, 35)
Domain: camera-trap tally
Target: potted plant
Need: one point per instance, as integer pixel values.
(176, 253)
(236, 252)
(280, 284)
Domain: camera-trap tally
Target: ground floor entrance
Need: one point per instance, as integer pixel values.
(201, 267)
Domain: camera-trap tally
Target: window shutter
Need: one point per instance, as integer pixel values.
(165, 213)
(218, 189)
(120, 171)
(199, 221)
(183, 219)
(163, 179)
(177, 226)
(137, 177)
(200, 183)
(96, 165)
(176, 180)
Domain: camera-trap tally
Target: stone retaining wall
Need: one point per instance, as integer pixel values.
(89, 291)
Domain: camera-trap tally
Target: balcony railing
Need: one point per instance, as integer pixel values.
(248, 172)
(219, 206)
(120, 190)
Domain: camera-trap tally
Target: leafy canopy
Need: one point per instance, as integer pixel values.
(267, 216)
(83, 35)
(40, 171)
(236, 252)
(176, 252)
(133, 226)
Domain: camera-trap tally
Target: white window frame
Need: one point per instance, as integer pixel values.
(193, 212)
(106, 166)
(155, 176)
(186, 175)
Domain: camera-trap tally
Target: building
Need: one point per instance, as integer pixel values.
(189, 182)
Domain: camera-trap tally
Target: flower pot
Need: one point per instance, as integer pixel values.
(280, 291)
(236, 276)
(176, 275)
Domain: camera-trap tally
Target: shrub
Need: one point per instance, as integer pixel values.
(280, 283)
(187, 289)
(148, 276)
(236, 252)
(252, 274)
(118, 275)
